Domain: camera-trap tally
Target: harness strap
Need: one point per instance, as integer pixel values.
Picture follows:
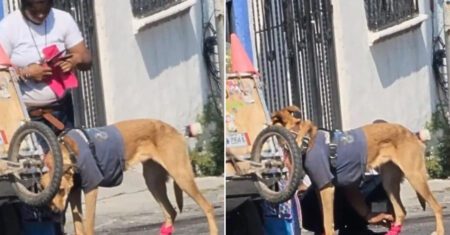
(331, 141)
(332, 154)
(333, 158)
(304, 148)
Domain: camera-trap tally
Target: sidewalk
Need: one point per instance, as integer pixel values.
(132, 205)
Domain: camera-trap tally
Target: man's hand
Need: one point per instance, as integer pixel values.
(37, 72)
(67, 63)
(81, 56)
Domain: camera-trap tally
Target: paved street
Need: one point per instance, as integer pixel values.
(131, 209)
(420, 222)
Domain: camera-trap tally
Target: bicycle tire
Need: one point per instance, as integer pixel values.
(297, 173)
(46, 195)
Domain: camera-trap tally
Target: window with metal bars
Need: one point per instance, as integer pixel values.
(143, 8)
(382, 14)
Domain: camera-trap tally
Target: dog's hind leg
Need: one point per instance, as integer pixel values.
(186, 182)
(416, 173)
(181, 171)
(391, 177)
(155, 178)
(419, 183)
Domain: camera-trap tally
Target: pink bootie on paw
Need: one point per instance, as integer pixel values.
(166, 230)
(395, 230)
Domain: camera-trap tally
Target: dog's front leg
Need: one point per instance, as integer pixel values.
(91, 203)
(327, 202)
(77, 210)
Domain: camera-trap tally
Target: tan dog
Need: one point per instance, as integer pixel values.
(392, 150)
(161, 150)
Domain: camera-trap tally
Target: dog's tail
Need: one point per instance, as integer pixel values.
(423, 135)
(178, 196)
(421, 201)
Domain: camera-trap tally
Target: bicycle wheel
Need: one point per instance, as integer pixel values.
(31, 144)
(282, 171)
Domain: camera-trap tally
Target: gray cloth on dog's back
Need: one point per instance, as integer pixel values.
(351, 159)
(110, 153)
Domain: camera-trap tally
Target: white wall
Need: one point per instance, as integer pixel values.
(156, 73)
(391, 79)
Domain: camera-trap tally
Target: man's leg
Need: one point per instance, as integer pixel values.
(357, 201)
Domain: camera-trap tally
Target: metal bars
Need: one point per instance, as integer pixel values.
(143, 8)
(295, 55)
(88, 100)
(382, 14)
(272, 52)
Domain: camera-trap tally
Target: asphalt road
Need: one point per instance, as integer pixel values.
(420, 222)
(187, 225)
(424, 225)
(131, 209)
(421, 225)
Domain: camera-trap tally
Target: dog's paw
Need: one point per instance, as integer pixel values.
(166, 230)
(434, 233)
(395, 230)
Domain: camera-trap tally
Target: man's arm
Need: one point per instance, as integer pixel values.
(81, 58)
(356, 199)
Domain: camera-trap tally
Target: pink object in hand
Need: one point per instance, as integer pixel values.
(4, 59)
(395, 230)
(59, 82)
(166, 230)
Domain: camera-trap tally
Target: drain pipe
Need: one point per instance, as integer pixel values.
(447, 46)
(220, 20)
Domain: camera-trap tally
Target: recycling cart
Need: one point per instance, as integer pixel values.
(28, 149)
(266, 154)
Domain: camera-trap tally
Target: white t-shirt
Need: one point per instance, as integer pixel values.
(23, 40)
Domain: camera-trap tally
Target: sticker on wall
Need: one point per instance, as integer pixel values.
(4, 93)
(233, 106)
(230, 123)
(233, 87)
(246, 93)
(234, 140)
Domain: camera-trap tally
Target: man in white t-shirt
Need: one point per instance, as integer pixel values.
(25, 33)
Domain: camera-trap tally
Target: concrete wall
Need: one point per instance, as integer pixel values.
(156, 73)
(392, 79)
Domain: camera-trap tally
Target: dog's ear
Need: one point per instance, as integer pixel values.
(292, 109)
(276, 118)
